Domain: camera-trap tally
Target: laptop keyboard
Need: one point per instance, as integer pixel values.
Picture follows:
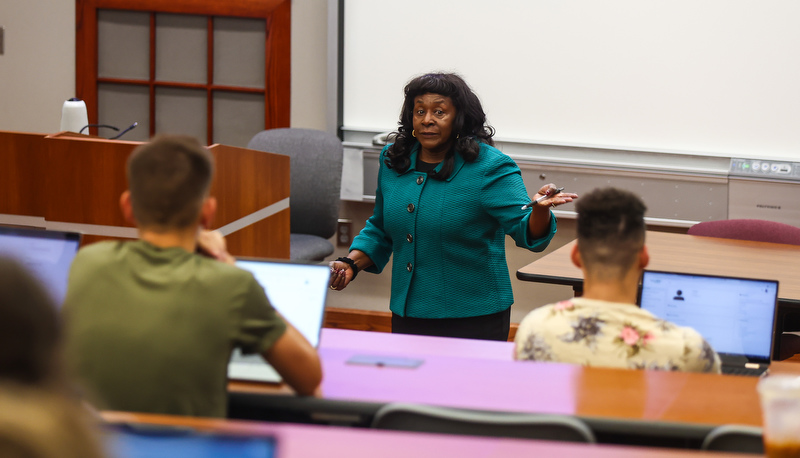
(739, 370)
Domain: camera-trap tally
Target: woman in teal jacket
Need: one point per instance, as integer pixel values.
(445, 201)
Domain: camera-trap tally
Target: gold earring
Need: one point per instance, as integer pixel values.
(413, 133)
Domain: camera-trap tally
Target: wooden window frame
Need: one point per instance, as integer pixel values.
(277, 78)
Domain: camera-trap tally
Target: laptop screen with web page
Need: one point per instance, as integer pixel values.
(735, 315)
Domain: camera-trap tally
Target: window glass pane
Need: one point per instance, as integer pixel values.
(239, 52)
(237, 117)
(181, 48)
(181, 111)
(120, 105)
(123, 44)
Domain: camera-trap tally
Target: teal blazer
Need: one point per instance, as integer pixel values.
(448, 237)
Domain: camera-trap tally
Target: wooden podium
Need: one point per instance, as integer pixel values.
(73, 182)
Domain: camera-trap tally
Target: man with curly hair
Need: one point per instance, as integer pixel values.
(604, 327)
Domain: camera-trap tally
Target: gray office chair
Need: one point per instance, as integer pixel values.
(735, 438)
(423, 418)
(316, 179)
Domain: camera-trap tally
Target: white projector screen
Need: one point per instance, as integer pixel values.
(715, 77)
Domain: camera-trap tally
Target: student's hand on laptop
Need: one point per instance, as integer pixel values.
(212, 244)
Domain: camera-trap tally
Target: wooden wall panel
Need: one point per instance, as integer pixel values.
(85, 179)
(20, 173)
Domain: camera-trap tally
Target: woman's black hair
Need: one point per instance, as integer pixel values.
(469, 125)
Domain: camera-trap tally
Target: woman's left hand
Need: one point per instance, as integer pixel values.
(553, 198)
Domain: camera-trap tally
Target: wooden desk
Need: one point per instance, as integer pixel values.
(695, 254)
(636, 404)
(300, 441)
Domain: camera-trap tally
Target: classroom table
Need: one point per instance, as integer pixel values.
(699, 255)
(300, 441)
(621, 406)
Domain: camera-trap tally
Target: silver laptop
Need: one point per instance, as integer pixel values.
(735, 315)
(47, 255)
(298, 291)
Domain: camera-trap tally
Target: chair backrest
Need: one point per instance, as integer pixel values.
(316, 176)
(423, 418)
(735, 438)
(755, 230)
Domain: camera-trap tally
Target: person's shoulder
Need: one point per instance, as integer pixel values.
(99, 252)
(689, 334)
(220, 268)
(545, 312)
(492, 158)
(385, 151)
(489, 152)
(106, 246)
(223, 274)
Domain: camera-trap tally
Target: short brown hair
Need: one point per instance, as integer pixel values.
(169, 178)
(611, 230)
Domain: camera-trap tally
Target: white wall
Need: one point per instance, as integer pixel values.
(37, 70)
(309, 63)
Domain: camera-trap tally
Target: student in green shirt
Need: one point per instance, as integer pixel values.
(151, 323)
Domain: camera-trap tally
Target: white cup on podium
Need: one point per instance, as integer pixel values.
(74, 116)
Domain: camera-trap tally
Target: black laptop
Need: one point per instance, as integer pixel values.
(46, 254)
(735, 315)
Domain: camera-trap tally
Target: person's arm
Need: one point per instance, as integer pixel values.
(296, 361)
(213, 245)
(539, 221)
(342, 272)
(698, 354)
(372, 239)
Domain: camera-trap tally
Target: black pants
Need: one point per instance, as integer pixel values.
(494, 326)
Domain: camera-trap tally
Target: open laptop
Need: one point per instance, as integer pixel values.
(298, 291)
(735, 315)
(142, 440)
(47, 255)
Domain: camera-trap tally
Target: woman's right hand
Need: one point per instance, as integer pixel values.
(341, 274)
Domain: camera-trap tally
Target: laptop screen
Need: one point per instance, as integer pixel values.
(735, 315)
(298, 291)
(148, 441)
(47, 255)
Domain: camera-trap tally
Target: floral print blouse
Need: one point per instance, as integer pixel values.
(608, 334)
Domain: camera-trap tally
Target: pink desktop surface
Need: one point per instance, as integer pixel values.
(404, 344)
(330, 441)
(451, 375)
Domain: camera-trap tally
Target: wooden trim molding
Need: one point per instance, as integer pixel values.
(242, 8)
(359, 320)
(371, 320)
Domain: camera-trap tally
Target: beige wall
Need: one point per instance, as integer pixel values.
(37, 70)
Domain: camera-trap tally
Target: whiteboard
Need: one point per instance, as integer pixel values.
(716, 77)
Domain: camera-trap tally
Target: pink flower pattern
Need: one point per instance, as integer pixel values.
(563, 305)
(633, 338)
